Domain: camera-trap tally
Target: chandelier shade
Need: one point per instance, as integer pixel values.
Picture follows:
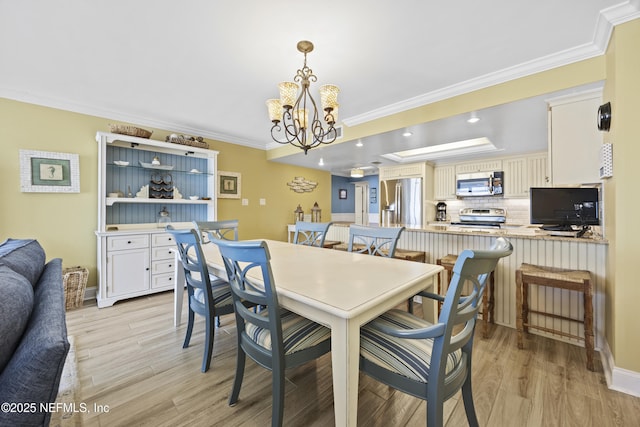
(288, 93)
(304, 124)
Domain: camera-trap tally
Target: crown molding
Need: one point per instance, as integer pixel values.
(607, 20)
(66, 105)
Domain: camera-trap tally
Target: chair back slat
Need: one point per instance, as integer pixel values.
(380, 241)
(192, 258)
(311, 233)
(221, 230)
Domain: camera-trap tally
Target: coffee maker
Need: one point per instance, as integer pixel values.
(441, 211)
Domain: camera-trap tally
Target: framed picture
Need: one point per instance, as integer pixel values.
(229, 185)
(342, 193)
(373, 197)
(47, 172)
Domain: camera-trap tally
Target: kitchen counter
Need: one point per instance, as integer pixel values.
(526, 231)
(507, 230)
(532, 246)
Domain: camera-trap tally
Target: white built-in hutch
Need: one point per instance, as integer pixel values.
(135, 254)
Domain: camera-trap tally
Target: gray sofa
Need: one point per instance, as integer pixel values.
(33, 333)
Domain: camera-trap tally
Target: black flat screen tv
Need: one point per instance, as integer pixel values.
(560, 208)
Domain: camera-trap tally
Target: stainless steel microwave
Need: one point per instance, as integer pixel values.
(479, 184)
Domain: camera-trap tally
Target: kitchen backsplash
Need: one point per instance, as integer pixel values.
(517, 209)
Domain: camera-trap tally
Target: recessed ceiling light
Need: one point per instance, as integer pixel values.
(474, 118)
(406, 134)
(321, 162)
(357, 173)
(359, 143)
(457, 148)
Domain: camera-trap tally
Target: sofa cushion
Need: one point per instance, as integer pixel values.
(33, 373)
(25, 257)
(16, 304)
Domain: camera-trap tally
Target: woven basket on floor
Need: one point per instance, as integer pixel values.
(74, 280)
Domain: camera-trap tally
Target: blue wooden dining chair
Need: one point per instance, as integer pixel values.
(225, 229)
(380, 241)
(206, 297)
(275, 338)
(311, 233)
(433, 361)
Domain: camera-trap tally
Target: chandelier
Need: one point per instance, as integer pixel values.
(293, 110)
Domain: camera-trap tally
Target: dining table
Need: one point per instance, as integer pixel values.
(340, 290)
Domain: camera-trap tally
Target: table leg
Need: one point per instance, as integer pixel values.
(345, 362)
(492, 299)
(588, 324)
(485, 313)
(519, 325)
(178, 291)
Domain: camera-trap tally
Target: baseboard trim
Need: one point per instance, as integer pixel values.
(619, 379)
(90, 293)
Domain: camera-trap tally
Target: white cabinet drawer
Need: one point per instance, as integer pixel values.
(162, 239)
(119, 243)
(163, 252)
(158, 267)
(162, 281)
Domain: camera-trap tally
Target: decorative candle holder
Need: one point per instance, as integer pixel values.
(316, 213)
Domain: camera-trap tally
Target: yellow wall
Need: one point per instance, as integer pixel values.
(64, 223)
(623, 293)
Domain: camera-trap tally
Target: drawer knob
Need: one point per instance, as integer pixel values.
(128, 242)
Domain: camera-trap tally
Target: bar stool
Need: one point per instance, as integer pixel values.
(448, 261)
(573, 280)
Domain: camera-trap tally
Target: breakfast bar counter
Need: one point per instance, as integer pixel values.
(531, 246)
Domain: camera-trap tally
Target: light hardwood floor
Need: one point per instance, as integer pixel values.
(131, 360)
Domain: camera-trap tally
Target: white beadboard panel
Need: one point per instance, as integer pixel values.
(579, 254)
(133, 178)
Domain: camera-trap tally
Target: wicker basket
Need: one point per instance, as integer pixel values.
(130, 130)
(74, 280)
(189, 142)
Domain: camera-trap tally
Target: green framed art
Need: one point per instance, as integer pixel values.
(49, 172)
(229, 185)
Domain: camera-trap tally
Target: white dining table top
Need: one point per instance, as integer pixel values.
(344, 284)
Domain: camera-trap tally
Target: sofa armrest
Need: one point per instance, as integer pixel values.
(33, 373)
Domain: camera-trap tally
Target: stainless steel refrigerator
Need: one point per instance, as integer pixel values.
(401, 202)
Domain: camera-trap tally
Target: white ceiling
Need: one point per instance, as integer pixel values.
(205, 67)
